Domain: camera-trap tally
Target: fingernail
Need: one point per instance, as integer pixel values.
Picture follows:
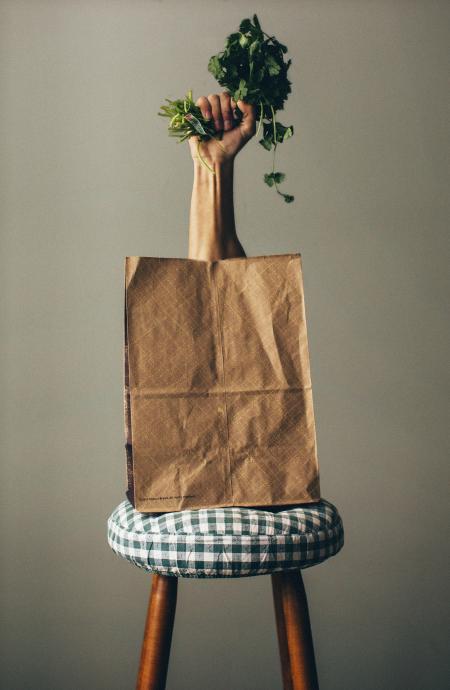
(218, 124)
(228, 124)
(207, 115)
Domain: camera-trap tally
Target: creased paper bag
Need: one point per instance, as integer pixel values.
(217, 388)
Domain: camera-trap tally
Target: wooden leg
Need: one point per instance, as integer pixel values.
(294, 632)
(282, 635)
(158, 633)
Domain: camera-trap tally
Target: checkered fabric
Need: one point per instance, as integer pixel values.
(226, 542)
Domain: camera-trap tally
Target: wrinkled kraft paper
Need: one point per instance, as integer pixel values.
(217, 389)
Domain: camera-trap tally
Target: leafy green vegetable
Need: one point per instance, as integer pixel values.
(186, 120)
(251, 68)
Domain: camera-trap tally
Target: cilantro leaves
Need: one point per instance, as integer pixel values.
(252, 68)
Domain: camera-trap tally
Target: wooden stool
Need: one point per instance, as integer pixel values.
(298, 666)
(229, 542)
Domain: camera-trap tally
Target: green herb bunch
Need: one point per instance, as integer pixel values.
(251, 68)
(186, 120)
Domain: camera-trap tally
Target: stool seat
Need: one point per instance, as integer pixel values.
(226, 542)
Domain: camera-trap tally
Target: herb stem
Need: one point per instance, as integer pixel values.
(202, 159)
(218, 143)
(260, 118)
(274, 141)
(274, 149)
(274, 127)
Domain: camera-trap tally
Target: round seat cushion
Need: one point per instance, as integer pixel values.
(226, 542)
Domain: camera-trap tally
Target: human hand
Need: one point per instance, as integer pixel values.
(220, 108)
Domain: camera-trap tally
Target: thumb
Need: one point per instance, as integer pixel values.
(248, 122)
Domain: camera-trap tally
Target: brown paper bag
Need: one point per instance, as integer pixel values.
(217, 396)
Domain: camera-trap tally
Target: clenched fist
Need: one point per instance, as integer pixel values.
(221, 109)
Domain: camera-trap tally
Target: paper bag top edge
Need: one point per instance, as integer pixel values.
(215, 261)
(131, 263)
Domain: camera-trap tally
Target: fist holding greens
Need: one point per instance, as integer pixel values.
(220, 111)
(253, 73)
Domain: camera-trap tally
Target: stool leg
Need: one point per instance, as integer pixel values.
(294, 632)
(158, 633)
(282, 634)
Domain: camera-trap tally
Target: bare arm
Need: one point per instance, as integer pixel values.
(212, 229)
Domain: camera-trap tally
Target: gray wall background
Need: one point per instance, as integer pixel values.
(88, 176)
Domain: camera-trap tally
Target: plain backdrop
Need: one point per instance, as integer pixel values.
(89, 176)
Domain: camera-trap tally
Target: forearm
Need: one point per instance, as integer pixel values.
(212, 229)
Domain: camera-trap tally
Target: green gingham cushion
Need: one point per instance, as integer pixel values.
(226, 542)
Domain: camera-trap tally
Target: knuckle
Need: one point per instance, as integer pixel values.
(204, 106)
